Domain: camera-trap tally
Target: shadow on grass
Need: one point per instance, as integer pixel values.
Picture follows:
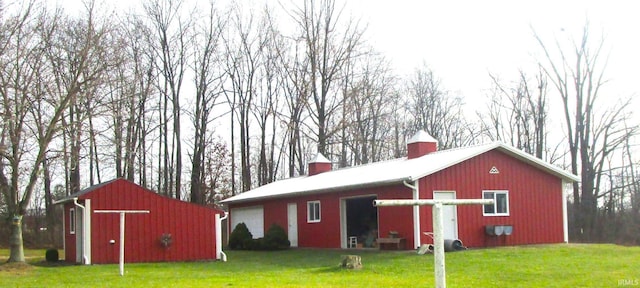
(52, 264)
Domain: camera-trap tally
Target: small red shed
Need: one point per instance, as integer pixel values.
(172, 230)
(333, 208)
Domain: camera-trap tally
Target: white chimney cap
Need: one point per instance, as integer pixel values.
(422, 136)
(320, 159)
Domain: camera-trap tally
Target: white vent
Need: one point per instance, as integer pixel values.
(494, 170)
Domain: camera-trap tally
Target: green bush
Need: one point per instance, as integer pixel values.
(275, 239)
(52, 255)
(240, 238)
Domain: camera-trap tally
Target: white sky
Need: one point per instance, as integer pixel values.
(462, 41)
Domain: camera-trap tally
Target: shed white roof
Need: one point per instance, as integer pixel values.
(387, 172)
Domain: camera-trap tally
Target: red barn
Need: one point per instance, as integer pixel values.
(333, 208)
(172, 230)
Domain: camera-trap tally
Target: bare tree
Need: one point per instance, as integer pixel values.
(329, 45)
(296, 94)
(244, 51)
(369, 97)
(594, 129)
(267, 105)
(436, 111)
(34, 47)
(208, 89)
(518, 114)
(171, 47)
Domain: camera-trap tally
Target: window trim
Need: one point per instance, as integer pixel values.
(310, 211)
(495, 204)
(72, 221)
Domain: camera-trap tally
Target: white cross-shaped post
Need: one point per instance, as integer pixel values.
(122, 213)
(438, 238)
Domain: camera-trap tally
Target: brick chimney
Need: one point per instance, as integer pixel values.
(421, 144)
(319, 165)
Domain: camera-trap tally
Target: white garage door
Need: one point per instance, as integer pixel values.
(253, 217)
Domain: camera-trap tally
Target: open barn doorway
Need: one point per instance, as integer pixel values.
(361, 221)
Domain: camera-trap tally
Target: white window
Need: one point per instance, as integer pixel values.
(72, 221)
(500, 207)
(313, 211)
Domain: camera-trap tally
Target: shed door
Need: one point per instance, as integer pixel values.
(449, 214)
(292, 223)
(253, 217)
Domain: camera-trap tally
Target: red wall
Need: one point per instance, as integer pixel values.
(535, 200)
(326, 233)
(535, 206)
(69, 239)
(192, 227)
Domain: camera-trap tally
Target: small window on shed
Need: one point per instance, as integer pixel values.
(500, 207)
(72, 221)
(313, 211)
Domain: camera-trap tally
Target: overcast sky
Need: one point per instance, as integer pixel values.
(463, 41)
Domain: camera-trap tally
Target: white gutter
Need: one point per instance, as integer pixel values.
(85, 259)
(416, 212)
(220, 255)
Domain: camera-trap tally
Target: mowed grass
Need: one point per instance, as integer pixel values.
(563, 265)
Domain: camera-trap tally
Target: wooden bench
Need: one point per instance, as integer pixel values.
(400, 242)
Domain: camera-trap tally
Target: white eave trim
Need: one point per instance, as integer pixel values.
(515, 153)
(551, 168)
(317, 191)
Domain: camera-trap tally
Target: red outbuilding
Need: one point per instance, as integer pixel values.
(157, 228)
(333, 208)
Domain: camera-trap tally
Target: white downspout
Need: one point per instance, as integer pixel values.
(84, 256)
(565, 219)
(220, 255)
(86, 231)
(416, 212)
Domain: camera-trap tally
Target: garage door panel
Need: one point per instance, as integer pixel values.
(253, 217)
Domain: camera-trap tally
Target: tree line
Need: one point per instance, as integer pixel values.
(203, 101)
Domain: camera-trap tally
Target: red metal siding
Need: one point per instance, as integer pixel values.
(535, 205)
(277, 215)
(326, 233)
(535, 200)
(69, 239)
(192, 227)
(396, 218)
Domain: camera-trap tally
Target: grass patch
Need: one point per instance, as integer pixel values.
(573, 265)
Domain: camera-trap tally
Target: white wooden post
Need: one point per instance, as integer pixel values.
(122, 243)
(122, 213)
(438, 237)
(438, 246)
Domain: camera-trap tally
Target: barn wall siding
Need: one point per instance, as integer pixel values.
(535, 205)
(326, 233)
(535, 200)
(192, 227)
(70, 239)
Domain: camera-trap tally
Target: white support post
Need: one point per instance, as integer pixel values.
(122, 243)
(438, 237)
(438, 246)
(122, 218)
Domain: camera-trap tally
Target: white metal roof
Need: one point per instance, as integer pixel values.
(387, 172)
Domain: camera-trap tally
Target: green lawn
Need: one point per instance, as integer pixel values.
(573, 265)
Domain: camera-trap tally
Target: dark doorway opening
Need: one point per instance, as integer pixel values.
(362, 220)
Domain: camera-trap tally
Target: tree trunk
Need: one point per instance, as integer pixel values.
(16, 244)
